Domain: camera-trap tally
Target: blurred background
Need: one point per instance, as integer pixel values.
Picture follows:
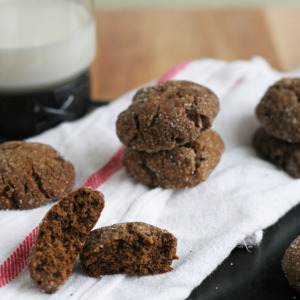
(138, 40)
(117, 4)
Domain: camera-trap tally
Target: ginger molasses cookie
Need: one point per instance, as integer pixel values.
(32, 174)
(283, 154)
(164, 116)
(290, 264)
(128, 248)
(182, 167)
(279, 110)
(61, 237)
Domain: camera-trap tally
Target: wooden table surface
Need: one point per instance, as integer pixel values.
(135, 47)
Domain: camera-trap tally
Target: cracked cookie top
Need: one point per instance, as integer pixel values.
(32, 174)
(279, 110)
(167, 115)
(182, 167)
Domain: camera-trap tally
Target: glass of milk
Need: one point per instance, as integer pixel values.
(46, 48)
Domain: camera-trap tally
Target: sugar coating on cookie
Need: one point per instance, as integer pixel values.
(128, 248)
(61, 237)
(291, 264)
(283, 154)
(279, 110)
(32, 174)
(182, 167)
(167, 115)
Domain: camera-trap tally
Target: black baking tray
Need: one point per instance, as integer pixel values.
(256, 273)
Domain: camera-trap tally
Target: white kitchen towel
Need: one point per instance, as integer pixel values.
(243, 195)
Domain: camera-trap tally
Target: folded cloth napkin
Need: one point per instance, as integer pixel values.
(243, 195)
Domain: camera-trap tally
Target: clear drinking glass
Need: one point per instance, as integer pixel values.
(46, 49)
(44, 42)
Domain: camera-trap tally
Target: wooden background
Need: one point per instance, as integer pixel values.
(135, 47)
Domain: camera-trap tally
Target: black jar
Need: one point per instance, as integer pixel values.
(28, 114)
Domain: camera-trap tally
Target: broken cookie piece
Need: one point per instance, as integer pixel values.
(61, 237)
(32, 174)
(128, 248)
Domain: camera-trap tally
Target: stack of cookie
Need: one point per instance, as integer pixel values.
(167, 135)
(279, 114)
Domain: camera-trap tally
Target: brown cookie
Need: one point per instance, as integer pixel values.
(167, 115)
(128, 248)
(32, 174)
(290, 264)
(283, 154)
(279, 110)
(61, 237)
(181, 167)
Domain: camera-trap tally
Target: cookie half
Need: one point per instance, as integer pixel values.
(290, 264)
(32, 174)
(279, 110)
(181, 167)
(283, 154)
(61, 237)
(167, 115)
(128, 248)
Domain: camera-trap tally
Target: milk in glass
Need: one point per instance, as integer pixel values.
(43, 43)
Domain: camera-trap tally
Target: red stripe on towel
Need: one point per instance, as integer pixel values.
(169, 75)
(96, 179)
(14, 264)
